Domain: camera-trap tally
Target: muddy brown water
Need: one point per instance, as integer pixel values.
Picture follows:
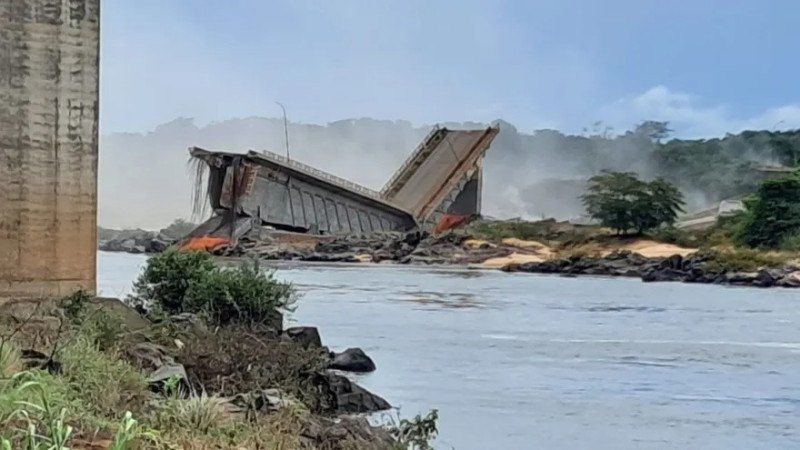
(519, 361)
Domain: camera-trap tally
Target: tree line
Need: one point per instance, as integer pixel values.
(625, 203)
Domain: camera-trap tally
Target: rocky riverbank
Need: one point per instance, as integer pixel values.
(588, 255)
(388, 247)
(177, 373)
(135, 241)
(699, 267)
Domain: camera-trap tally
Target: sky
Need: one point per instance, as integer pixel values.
(707, 66)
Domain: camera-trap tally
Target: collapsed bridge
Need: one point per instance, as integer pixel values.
(437, 187)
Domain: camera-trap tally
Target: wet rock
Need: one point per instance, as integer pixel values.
(791, 280)
(689, 269)
(352, 360)
(308, 337)
(350, 398)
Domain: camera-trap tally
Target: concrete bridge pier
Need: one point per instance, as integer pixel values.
(49, 83)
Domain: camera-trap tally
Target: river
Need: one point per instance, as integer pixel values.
(520, 361)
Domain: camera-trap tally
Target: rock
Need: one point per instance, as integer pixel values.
(790, 280)
(263, 400)
(159, 378)
(158, 245)
(162, 367)
(308, 337)
(33, 359)
(190, 323)
(352, 360)
(347, 432)
(128, 245)
(350, 398)
(148, 356)
(741, 278)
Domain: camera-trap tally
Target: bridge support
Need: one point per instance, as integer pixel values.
(49, 73)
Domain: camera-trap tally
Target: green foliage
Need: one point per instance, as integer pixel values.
(543, 230)
(746, 260)
(46, 427)
(108, 384)
(167, 278)
(621, 201)
(10, 359)
(200, 413)
(74, 306)
(179, 281)
(790, 243)
(773, 213)
(245, 294)
(417, 433)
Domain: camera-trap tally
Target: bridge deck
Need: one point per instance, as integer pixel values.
(444, 157)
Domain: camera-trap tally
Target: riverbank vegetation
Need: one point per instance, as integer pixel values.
(631, 212)
(623, 202)
(207, 366)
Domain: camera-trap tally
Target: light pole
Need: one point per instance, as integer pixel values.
(285, 129)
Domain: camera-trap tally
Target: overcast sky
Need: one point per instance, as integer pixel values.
(709, 66)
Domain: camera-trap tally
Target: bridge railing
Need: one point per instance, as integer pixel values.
(414, 155)
(333, 179)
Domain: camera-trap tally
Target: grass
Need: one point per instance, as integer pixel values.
(748, 260)
(97, 392)
(546, 231)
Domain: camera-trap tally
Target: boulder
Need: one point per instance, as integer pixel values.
(159, 378)
(308, 337)
(350, 398)
(352, 360)
(158, 245)
(790, 280)
(148, 356)
(128, 245)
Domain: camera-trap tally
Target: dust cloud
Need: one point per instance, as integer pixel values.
(145, 181)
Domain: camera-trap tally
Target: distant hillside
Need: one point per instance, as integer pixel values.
(145, 182)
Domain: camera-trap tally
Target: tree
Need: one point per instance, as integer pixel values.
(653, 130)
(623, 202)
(773, 213)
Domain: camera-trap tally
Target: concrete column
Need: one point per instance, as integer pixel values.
(49, 83)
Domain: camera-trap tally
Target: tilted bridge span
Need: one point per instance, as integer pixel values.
(437, 185)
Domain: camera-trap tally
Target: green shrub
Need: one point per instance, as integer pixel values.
(176, 282)
(418, 432)
(167, 278)
(773, 213)
(245, 294)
